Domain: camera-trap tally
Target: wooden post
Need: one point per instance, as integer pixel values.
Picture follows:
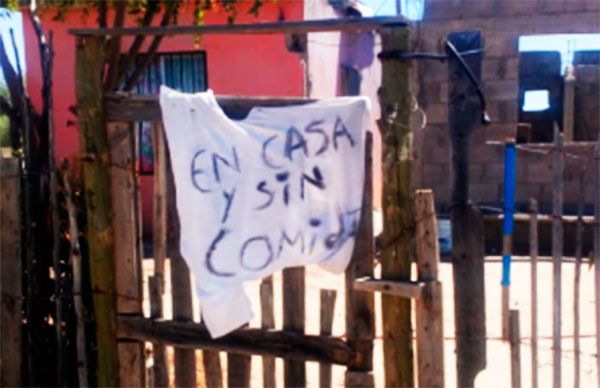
(430, 323)
(128, 284)
(515, 349)
(293, 320)
(467, 226)
(360, 306)
(326, 324)
(156, 283)
(10, 273)
(557, 251)
(398, 220)
(596, 231)
(238, 370)
(533, 251)
(96, 177)
(75, 259)
(268, 322)
(569, 103)
(181, 289)
(577, 276)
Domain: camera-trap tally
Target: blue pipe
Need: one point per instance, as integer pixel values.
(510, 167)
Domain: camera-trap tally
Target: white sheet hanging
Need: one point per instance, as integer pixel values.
(281, 188)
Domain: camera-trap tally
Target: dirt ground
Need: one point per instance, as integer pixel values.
(497, 373)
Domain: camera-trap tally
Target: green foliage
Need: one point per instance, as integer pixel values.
(4, 120)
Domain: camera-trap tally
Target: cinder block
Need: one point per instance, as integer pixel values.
(487, 192)
(484, 153)
(500, 68)
(493, 172)
(476, 173)
(500, 43)
(500, 132)
(539, 172)
(504, 112)
(442, 9)
(524, 192)
(436, 147)
(513, 8)
(429, 93)
(501, 90)
(437, 113)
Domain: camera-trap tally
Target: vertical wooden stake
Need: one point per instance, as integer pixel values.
(156, 283)
(293, 320)
(185, 359)
(100, 233)
(128, 284)
(75, 259)
(569, 103)
(398, 219)
(557, 251)
(576, 281)
(10, 273)
(515, 349)
(360, 306)
(468, 253)
(268, 322)
(596, 231)
(533, 251)
(430, 322)
(238, 370)
(327, 310)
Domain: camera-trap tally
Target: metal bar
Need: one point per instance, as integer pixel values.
(296, 27)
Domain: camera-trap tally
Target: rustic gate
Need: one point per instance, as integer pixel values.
(106, 125)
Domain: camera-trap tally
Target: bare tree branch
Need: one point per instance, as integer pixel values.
(151, 10)
(114, 46)
(168, 16)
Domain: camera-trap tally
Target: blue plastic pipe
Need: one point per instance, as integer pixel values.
(510, 167)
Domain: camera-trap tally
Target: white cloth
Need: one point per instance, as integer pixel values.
(281, 188)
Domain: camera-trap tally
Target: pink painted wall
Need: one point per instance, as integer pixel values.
(252, 65)
(237, 64)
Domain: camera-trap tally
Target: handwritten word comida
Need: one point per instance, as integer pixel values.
(280, 183)
(258, 252)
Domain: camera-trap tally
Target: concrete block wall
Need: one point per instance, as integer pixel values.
(501, 23)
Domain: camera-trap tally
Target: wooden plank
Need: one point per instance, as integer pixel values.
(181, 289)
(360, 306)
(267, 322)
(96, 177)
(326, 325)
(156, 282)
(515, 349)
(293, 320)
(557, 249)
(132, 107)
(467, 226)
(288, 27)
(576, 282)
(128, 282)
(213, 375)
(597, 257)
(429, 317)
(290, 345)
(185, 359)
(569, 103)
(542, 218)
(10, 274)
(76, 268)
(533, 249)
(398, 220)
(399, 288)
(238, 370)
